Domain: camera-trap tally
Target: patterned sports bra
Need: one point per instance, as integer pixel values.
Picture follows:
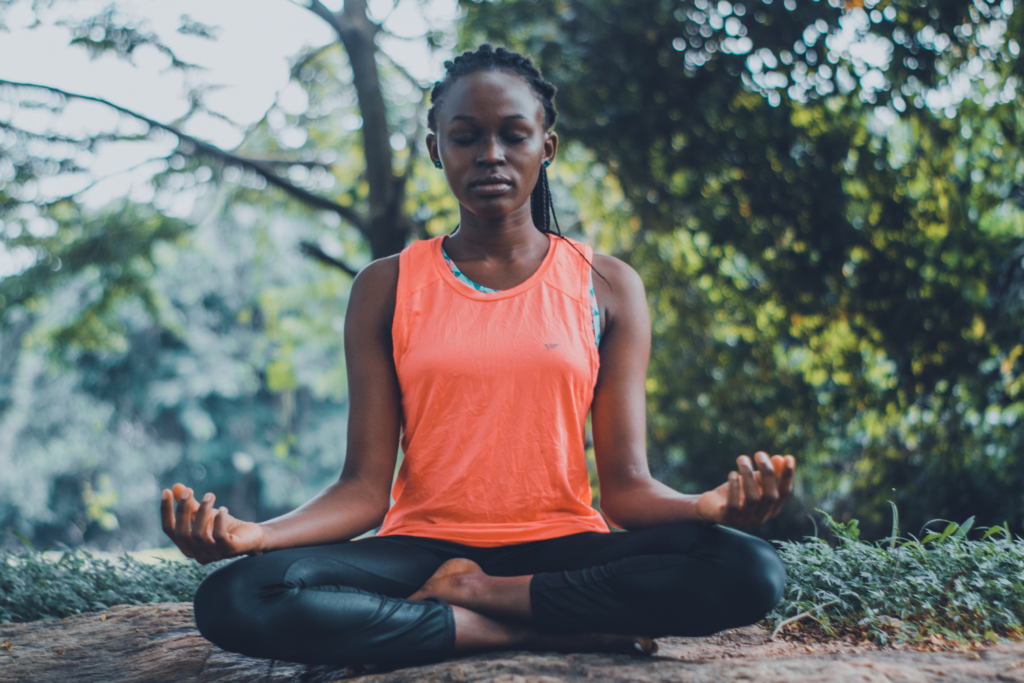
(595, 312)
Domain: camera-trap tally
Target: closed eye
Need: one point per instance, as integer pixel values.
(470, 139)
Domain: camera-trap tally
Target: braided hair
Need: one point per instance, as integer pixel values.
(486, 58)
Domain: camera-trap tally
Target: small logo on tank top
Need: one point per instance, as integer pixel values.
(550, 346)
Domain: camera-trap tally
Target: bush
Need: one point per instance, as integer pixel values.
(943, 587)
(36, 585)
(892, 591)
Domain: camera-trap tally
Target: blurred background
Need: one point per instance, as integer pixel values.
(825, 202)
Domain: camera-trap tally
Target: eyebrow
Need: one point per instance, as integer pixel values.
(466, 117)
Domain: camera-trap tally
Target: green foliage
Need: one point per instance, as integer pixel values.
(179, 334)
(817, 241)
(908, 591)
(37, 585)
(903, 591)
(187, 392)
(833, 261)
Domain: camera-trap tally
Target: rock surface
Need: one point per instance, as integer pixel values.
(159, 643)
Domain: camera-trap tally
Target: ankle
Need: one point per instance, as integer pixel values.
(470, 588)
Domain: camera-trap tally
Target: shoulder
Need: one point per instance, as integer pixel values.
(374, 291)
(379, 277)
(616, 280)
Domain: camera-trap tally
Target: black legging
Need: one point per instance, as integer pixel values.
(345, 603)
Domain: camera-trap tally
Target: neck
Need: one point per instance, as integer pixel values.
(505, 238)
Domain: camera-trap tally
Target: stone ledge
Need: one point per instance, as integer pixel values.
(159, 644)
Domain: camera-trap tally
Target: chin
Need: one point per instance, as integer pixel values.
(497, 207)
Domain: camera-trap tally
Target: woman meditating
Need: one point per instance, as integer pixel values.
(486, 350)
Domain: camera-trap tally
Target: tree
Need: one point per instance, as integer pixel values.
(832, 261)
(196, 339)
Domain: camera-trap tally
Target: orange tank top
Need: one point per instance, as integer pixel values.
(496, 388)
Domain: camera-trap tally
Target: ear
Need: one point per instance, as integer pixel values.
(432, 148)
(550, 146)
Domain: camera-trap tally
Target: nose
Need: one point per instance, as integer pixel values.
(491, 152)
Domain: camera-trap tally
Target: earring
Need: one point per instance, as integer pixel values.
(547, 162)
(437, 164)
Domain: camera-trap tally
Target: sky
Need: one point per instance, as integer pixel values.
(249, 62)
(247, 65)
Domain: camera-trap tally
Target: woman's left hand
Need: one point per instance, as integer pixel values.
(749, 498)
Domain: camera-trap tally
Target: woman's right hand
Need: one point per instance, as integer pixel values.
(206, 534)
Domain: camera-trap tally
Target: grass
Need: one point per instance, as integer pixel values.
(35, 585)
(941, 590)
(931, 593)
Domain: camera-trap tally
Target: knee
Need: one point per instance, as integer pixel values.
(760, 575)
(221, 605)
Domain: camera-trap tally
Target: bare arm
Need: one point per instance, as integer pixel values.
(358, 501)
(630, 496)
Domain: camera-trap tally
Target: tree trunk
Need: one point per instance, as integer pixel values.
(159, 644)
(387, 227)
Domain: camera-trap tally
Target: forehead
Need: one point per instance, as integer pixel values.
(491, 94)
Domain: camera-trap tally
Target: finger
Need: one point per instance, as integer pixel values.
(167, 512)
(769, 484)
(183, 524)
(778, 464)
(751, 491)
(177, 490)
(202, 529)
(735, 496)
(202, 525)
(785, 482)
(167, 520)
(192, 502)
(220, 532)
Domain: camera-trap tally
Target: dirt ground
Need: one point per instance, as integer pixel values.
(159, 643)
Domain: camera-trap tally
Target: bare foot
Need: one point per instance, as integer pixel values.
(451, 581)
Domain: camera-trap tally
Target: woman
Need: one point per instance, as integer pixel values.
(486, 350)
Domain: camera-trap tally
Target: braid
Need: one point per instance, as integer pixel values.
(542, 208)
(486, 58)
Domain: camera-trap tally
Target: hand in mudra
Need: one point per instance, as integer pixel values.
(749, 498)
(205, 533)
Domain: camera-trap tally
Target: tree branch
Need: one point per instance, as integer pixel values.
(425, 89)
(82, 143)
(306, 58)
(327, 15)
(414, 143)
(313, 251)
(356, 32)
(97, 181)
(803, 615)
(201, 148)
(270, 161)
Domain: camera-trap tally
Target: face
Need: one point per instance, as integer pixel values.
(491, 142)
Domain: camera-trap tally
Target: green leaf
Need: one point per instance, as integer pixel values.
(20, 536)
(964, 528)
(950, 528)
(895, 525)
(281, 376)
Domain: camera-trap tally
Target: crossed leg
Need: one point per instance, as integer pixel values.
(399, 599)
(493, 613)
(677, 579)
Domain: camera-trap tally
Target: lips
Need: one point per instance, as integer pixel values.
(494, 184)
